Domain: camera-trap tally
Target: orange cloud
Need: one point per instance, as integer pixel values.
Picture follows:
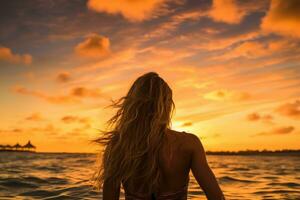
(257, 117)
(72, 119)
(248, 49)
(226, 11)
(257, 49)
(60, 99)
(49, 129)
(94, 46)
(278, 131)
(224, 95)
(63, 77)
(283, 18)
(166, 27)
(267, 117)
(290, 109)
(8, 56)
(131, 10)
(34, 117)
(12, 131)
(74, 96)
(253, 117)
(187, 124)
(76, 132)
(85, 92)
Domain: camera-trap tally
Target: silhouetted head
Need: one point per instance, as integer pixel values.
(137, 130)
(149, 97)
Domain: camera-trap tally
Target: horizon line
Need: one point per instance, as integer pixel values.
(207, 151)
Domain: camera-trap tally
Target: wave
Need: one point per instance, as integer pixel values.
(280, 191)
(40, 193)
(228, 179)
(67, 176)
(286, 184)
(16, 183)
(50, 168)
(239, 169)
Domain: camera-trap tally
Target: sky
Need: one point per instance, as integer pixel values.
(233, 66)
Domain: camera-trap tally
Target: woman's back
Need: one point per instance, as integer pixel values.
(180, 153)
(175, 161)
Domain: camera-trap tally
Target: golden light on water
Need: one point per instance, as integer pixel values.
(235, 77)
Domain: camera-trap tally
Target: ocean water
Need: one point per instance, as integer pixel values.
(67, 176)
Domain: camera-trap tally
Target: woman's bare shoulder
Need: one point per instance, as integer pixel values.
(194, 146)
(190, 140)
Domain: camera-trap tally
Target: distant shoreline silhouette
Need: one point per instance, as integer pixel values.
(256, 152)
(18, 148)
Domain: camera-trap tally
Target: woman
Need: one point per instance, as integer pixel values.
(150, 160)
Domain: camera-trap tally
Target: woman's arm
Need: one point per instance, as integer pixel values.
(111, 190)
(202, 172)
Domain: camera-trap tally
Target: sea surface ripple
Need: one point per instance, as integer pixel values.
(68, 176)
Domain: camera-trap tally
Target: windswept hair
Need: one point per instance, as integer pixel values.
(135, 135)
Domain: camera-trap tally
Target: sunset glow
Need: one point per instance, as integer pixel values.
(233, 66)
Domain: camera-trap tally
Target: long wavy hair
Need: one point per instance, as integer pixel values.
(135, 134)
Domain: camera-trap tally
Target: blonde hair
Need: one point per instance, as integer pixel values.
(133, 143)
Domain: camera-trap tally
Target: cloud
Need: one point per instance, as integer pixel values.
(187, 124)
(48, 128)
(211, 43)
(283, 18)
(258, 117)
(94, 46)
(211, 111)
(194, 83)
(234, 11)
(7, 55)
(59, 99)
(75, 95)
(12, 131)
(226, 11)
(278, 131)
(260, 49)
(248, 49)
(290, 109)
(132, 10)
(174, 22)
(72, 119)
(63, 77)
(34, 117)
(85, 92)
(267, 117)
(253, 117)
(284, 130)
(225, 95)
(210, 136)
(79, 133)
